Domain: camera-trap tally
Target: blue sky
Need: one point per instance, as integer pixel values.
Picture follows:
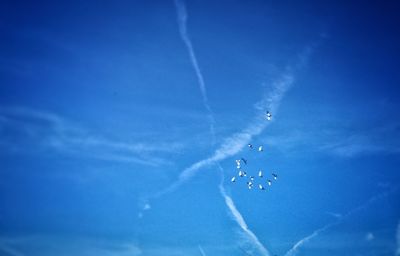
(120, 123)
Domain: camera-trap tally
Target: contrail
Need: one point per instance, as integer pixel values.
(202, 251)
(238, 218)
(361, 207)
(182, 18)
(304, 240)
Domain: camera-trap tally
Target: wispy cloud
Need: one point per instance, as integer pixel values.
(46, 245)
(295, 248)
(334, 214)
(22, 127)
(306, 239)
(361, 144)
(120, 250)
(237, 216)
(182, 21)
(369, 237)
(201, 251)
(344, 139)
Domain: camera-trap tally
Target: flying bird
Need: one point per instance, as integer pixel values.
(261, 187)
(260, 148)
(260, 173)
(275, 176)
(269, 116)
(250, 146)
(244, 160)
(269, 182)
(233, 179)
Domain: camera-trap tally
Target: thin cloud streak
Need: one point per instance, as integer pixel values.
(78, 246)
(334, 214)
(293, 251)
(237, 216)
(182, 21)
(202, 251)
(46, 131)
(341, 141)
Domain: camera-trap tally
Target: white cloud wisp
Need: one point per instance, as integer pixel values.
(293, 251)
(45, 131)
(201, 251)
(238, 218)
(182, 19)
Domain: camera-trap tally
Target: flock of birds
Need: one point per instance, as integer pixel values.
(251, 179)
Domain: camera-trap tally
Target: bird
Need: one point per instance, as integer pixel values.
(269, 116)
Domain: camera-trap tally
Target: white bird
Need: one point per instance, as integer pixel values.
(269, 116)
(233, 179)
(260, 174)
(251, 178)
(275, 176)
(250, 184)
(242, 173)
(260, 148)
(261, 187)
(269, 182)
(250, 146)
(237, 162)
